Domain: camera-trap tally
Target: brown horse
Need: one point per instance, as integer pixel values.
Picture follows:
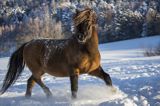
(61, 58)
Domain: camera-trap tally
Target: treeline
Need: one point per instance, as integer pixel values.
(23, 20)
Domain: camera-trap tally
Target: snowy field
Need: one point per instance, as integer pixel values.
(135, 77)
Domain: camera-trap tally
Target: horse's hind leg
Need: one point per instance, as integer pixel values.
(99, 72)
(30, 84)
(44, 87)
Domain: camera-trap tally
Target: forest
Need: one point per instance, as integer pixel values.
(24, 20)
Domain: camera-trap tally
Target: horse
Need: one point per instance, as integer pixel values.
(70, 57)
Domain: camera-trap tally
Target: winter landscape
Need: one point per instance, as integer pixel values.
(129, 44)
(135, 78)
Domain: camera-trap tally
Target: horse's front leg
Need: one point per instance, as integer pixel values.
(74, 83)
(99, 72)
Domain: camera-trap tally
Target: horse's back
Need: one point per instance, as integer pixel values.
(47, 56)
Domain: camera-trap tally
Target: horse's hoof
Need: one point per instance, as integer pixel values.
(27, 96)
(49, 95)
(74, 95)
(113, 89)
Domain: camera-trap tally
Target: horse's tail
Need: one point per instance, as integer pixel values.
(16, 65)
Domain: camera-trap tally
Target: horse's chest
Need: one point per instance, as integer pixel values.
(88, 64)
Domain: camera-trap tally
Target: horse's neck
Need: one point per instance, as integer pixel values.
(92, 44)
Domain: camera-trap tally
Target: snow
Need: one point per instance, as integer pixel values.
(135, 77)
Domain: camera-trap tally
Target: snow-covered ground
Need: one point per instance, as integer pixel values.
(135, 77)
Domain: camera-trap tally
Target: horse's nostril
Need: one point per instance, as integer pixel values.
(80, 36)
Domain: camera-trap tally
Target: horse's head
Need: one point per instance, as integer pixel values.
(84, 22)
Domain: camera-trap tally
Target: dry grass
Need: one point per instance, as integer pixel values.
(152, 51)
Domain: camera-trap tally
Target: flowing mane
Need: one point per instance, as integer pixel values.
(87, 14)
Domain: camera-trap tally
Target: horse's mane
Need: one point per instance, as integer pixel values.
(87, 14)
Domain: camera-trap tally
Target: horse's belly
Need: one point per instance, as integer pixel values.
(57, 72)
